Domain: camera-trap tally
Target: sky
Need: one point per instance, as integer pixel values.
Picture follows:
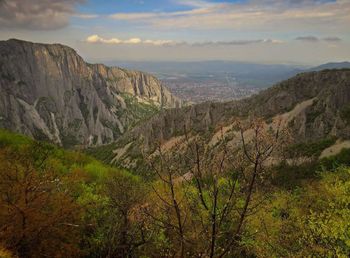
(262, 31)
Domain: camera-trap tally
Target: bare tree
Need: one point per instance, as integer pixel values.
(127, 231)
(167, 173)
(37, 213)
(222, 175)
(258, 142)
(207, 164)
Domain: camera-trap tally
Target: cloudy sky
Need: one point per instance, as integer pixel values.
(264, 31)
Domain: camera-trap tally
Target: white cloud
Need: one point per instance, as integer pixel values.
(132, 41)
(159, 42)
(98, 39)
(135, 41)
(86, 16)
(275, 15)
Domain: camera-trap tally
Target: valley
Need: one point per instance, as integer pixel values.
(214, 80)
(100, 161)
(302, 104)
(174, 129)
(217, 81)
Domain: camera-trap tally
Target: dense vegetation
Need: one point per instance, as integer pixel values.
(58, 203)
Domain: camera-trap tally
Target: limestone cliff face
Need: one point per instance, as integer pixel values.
(49, 92)
(313, 105)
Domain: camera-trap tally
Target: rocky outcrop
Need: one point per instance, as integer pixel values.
(313, 105)
(49, 92)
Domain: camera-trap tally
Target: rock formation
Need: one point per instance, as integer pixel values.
(49, 92)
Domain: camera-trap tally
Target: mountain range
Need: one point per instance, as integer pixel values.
(50, 93)
(314, 106)
(245, 74)
(263, 176)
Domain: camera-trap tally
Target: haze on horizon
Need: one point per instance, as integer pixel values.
(264, 31)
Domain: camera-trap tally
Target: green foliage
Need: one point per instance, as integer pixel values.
(290, 176)
(345, 114)
(312, 221)
(333, 162)
(310, 149)
(326, 228)
(87, 188)
(136, 111)
(302, 213)
(69, 140)
(103, 152)
(40, 135)
(96, 170)
(12, 139)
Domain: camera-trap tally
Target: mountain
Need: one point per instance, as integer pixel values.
(314, 106)
(49, 92)
(339, 65)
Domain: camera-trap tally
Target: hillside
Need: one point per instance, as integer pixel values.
(59, 203)
(49, 92)
(314, 106)
(339, 65)
(60, 196)
(74, 206)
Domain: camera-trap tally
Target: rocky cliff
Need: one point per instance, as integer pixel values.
(313, 105)
(49, 92)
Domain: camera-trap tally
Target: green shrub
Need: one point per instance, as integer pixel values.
(311, 148)
(345, 114)
(291, 176)
(12, 139)
(333, 162)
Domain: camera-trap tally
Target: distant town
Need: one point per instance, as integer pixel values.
(201, 81)
(201, 91)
